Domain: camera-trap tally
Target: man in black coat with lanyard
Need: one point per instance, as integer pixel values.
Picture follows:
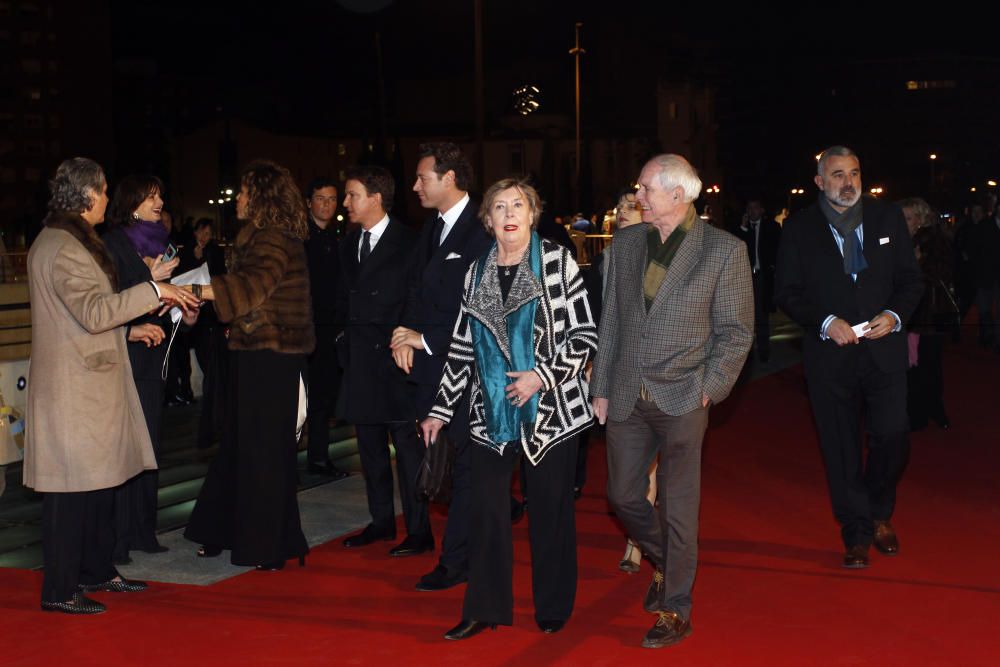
(847, 273)
(452, 239)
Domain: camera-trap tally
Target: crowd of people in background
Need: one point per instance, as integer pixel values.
(498, 324)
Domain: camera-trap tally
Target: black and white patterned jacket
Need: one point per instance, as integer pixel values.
(565, 339)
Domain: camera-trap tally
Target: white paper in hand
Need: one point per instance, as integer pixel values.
(199, 276)
(859, 329)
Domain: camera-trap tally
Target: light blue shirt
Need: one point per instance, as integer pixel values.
(860, 233)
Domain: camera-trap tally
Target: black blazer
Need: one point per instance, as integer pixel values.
(811, 284)
(370, 300)
(147, 362)
(768, 238)
(435, 295)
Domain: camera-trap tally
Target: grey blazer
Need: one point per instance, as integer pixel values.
(696, 335)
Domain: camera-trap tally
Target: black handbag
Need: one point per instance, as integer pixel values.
(434, 480)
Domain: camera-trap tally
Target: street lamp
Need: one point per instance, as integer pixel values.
(525, 103)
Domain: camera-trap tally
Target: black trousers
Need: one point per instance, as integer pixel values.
(455, 544)
(248, 502)
(489, 596)
(925, 382)
(78, 538)
(136, 500)
(862, 489)
(373, 446)
(323, 384)
(761, 312)
(210, 349)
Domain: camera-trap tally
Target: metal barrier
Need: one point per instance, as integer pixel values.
(13, 267)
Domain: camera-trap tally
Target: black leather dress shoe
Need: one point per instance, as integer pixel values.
(156, 549)
(78, 604)
(467, 629)
(367, 536)
(116, 585)
(327, 470)
(550, 627)
(412, 545)
(651, 603)
(439, 579)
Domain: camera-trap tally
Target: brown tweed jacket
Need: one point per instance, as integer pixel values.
(696, 335)
(265, 296)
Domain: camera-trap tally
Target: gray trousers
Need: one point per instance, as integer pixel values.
(668, 533)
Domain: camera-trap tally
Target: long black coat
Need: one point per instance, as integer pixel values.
(370, 305)
(769, 237)
(435, 295)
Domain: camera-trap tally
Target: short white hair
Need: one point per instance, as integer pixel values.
(675, 171)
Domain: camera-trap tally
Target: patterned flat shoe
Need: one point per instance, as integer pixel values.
(117, 585)
(77, 605)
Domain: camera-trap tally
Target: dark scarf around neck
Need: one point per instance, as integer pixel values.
(83, 232)
(846, 223)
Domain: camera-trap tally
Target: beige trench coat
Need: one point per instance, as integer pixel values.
(85, 427)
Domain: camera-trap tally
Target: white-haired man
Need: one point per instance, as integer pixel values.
(676, 329)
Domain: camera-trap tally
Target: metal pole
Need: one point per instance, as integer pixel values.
(480, 97)
(576, 52)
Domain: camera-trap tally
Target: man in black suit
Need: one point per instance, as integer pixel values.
(375, 267)
(761, 234)
(324, 370)
(452, 239)
(847, 273)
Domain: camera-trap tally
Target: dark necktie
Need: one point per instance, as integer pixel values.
(436, 234)
(366, 246)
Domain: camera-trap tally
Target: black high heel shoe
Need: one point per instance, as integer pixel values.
(208, 551)
(467, 629)
(279, 565)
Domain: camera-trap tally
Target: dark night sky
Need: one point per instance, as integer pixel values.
(787, 83)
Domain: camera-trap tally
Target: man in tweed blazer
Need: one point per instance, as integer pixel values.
(676, 329)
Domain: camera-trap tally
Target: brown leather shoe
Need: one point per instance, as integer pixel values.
(668, 629)
(885, 538)
(856, 557)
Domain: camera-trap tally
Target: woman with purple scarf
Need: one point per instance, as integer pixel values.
(136, 240)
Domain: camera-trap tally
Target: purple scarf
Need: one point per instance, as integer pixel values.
(148, 238)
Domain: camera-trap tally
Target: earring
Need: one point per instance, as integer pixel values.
(135, 216)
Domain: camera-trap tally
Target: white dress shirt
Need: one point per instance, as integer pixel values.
(376, 233)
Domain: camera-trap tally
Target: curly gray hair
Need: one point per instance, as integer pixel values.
(76, 183)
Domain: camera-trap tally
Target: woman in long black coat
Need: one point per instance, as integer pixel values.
(136, 241)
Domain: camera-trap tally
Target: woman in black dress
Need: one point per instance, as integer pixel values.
(136, 241)
(248, 502)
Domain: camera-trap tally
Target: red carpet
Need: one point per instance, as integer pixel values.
(769, 592)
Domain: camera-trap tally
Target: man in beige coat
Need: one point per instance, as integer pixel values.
(85, 429)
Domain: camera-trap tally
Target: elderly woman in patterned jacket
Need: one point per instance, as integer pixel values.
(522, 340)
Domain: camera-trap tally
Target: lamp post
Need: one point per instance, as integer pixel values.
(525, 103)
(576, 52)
(933, 158)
